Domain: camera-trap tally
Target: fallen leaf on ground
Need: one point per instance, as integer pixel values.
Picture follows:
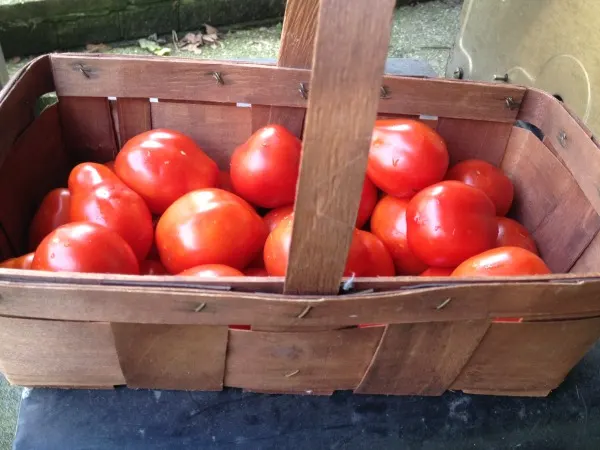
(97, 48)
(210, 29)
(210, 38)
(153, 47)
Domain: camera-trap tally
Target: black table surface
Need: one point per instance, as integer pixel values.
(144, 419)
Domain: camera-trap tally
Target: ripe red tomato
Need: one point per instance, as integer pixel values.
(277, 249)
(405, 157)
(490, 179)
(152, 267)
(388, 223)
(380, 263)
(110, 165)
(450, 222)
(85, 247)
(368, 200)
(256, 272)
(21, 262)
(209, 226)
(273, 217)
(512, 234)
(437, 272)
(502, 261)
(112, 204)
(87, 176)
(212, 271)
(53, 212)
(224, 181)
(162, 165)
(264, 170)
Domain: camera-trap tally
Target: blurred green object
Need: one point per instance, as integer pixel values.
(9, 406)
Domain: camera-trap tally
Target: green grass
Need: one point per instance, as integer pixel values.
(9, 406)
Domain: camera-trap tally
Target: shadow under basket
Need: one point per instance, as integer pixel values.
(84, 330)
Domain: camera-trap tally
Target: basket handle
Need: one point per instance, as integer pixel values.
(348, 64)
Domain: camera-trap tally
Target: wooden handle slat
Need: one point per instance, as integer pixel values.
(343, 98)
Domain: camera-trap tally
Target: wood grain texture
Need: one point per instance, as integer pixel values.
(18, 99)
(335, 146)
(589, 260)
(180, 357)
(218, 129)
(527, 357)
(474, 139)
(31, 297)
(47, 353)
(192, 80)
(421, 359)
(133, 117)
(296, 50)
(567, 140)
(319, 361)
(35, 164)
(557, 213)
(88, 128)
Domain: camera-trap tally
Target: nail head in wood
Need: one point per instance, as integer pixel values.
(304, 312)
(443, 304)
(291, 374)
(200, 307)
(219, 78)
(384, 93)
(85, 72)
(562, 138)
(303, 91)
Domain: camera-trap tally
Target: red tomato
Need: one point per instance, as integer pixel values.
(209, 226)
(85, 247)
(212, 271)
(450, 222)
(512, 234)
(277, 249)
(502, 261)
(490, 179)
(264, 170)
(162, 165)
(437, 272)
(368, 200)
(388, 223)
(53, 212)
(273, 217)
(112, 204)
(224, 181)
(87, 176)
(110, 165)
(256, 272)
(21, 262)
(152, 267)
(405, 157)
(380, 263)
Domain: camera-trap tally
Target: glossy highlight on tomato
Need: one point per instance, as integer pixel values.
(162, 165)
(502, 261)
(437, 272)
(212, 271)
(406, 156)
(85, 247)
(53, 212)
(490, 179)
(450, 222)
(209, 226)
(512, 234)
(264, 170)
(273, 217)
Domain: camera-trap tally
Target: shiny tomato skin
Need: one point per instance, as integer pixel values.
(273, 217)
(450, 222)
(209, 226)
(162, 165)
(85, 247)
(277, 249)
(512, 234)
(380, 263)
(212, 271)
(87, 176)
(487, 177)
(406, 156)
(502, 261)
(388, 223)
(53, 212)
(256, 272)
(20, 262)
(368, 200)
(437, 272)
(264, 170)
(152, 267)
(118, 208)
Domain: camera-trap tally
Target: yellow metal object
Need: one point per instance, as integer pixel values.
(549, 44)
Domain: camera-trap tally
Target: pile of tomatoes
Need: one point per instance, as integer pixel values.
(164, 207)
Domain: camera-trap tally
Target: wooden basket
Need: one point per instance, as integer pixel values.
(83, 330)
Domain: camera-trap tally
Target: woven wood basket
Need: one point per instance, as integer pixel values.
(84, 330)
